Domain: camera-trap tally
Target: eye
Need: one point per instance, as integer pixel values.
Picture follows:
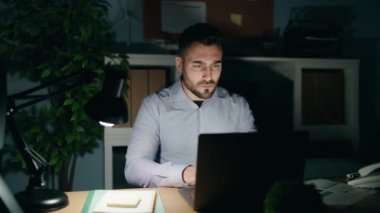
(197, 66)
(216, 67)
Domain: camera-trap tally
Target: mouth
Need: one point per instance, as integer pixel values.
(210, 83)
(207, 86)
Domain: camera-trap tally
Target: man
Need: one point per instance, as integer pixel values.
(163, 146)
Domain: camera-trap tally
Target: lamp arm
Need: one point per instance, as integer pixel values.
(35, 163)
(85, 77)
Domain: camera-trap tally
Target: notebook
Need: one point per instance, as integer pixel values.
(235, 170)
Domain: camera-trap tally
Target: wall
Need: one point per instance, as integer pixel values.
(364, 46)
(127, 20)
(251, 18)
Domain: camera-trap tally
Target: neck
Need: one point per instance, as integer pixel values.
(189, 94)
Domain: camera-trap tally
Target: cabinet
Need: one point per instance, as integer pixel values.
(324, 94)
(142, 82)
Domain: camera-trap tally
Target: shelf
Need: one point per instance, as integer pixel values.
(290, 69)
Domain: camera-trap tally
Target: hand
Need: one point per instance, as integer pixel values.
(189, 174)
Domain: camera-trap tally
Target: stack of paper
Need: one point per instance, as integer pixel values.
(117, 201)
(339, 194)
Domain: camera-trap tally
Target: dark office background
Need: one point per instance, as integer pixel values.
(360, 19)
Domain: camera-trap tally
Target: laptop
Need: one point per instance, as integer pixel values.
(236, 170)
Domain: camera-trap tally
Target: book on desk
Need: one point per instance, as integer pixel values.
(137, 201)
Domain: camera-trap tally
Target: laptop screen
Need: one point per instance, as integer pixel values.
(235, 170)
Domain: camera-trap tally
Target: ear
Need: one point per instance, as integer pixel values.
(179, 64)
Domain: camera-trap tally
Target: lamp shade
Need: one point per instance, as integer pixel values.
(109, 105)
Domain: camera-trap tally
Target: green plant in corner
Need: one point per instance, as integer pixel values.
(42, 41)
(290, 196)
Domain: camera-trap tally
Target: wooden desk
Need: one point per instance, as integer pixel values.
(174, 203)
(171, 198)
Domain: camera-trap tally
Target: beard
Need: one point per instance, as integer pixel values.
(193, 87)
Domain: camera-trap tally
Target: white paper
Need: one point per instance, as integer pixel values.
(146, 204)
(177, 15)
(339, 194)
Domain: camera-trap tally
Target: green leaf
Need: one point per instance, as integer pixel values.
(84, 63)
(74, 117)
(68, 101)
(75, 106)
(53, 160)
(46, 73)
(80, 129)
(78, 57)
(69, 138)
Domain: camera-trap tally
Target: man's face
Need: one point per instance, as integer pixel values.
(201, 67)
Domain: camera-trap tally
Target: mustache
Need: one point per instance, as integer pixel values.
(207, 82)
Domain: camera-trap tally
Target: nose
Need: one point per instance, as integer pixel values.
(207, 73)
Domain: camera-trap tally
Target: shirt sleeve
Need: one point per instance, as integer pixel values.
(247, 119)
(141, 168)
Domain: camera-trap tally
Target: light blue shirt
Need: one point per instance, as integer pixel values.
(165, 134)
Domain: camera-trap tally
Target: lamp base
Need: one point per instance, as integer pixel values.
(42, 200)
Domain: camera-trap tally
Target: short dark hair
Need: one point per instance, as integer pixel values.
(202, 33)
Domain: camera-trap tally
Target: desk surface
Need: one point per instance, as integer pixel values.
(171, 198)
(174, 202)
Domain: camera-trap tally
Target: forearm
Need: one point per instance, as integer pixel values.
(146, 173)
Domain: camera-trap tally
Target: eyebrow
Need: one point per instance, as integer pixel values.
(201, 62)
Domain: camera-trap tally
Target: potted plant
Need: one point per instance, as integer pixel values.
(42, 41)
(289, 196)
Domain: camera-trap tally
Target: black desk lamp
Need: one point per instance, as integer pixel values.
(108, 106)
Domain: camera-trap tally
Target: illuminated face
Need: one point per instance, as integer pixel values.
(201, 67)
